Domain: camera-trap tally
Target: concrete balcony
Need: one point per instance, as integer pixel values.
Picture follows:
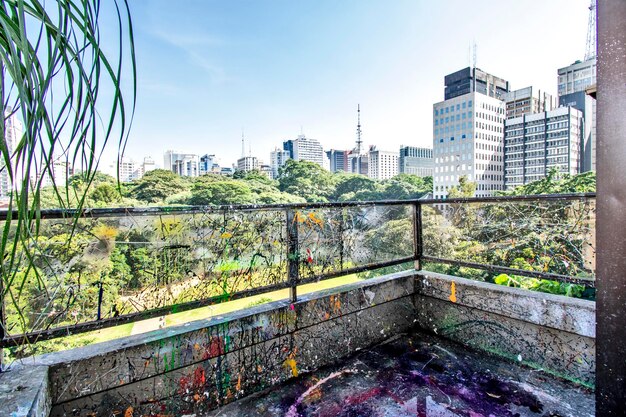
(405, 343)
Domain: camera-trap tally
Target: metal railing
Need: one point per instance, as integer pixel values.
(129, 264)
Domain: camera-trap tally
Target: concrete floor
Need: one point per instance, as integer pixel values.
(419, 375)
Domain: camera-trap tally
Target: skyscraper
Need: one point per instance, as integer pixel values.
(468, 133)
(470, 80)
(13, 133)
(573, 80)
(338, 160)
(184, 164)
(536, 143)
(305, 149)
(278, 157)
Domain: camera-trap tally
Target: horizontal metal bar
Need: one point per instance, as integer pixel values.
(589, 282)
(502, 199)
(154, 211)
(362, 268)
(41, 335)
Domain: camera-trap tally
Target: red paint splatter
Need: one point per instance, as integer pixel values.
(199, 378)
(216, 348)
(309, 258)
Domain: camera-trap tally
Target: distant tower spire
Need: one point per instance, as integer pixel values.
(243, 145)
(590, 52)
(359, 142)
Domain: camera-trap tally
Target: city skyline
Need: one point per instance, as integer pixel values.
(276, 69)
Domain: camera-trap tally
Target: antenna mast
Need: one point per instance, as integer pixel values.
(358, 130)
(243, 145)
(590, 52)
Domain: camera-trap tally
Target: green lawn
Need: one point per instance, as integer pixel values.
(230, 306)
(123, 330)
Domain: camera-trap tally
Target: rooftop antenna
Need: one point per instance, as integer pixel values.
(474, 67)
(590, 51)
(358, 130)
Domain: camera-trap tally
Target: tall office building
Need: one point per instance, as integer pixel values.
(60, 171)
(128, 170)
(382, 165)
(576, 77)
(248, 163)
(147, 165)
(13, 131)
(305, 149)
(338, 160)
(468, 136)
(278, 158)
(527, 101)
(470, 80)
(573, 81)
(184, 164)
(536, 143)
(416, 161)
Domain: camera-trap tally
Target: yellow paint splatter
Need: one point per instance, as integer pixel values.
(291, 363)
(226, 235)
(453, 292)
(238, 386)
(196, 346)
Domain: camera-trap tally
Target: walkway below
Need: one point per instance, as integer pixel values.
(419, 376)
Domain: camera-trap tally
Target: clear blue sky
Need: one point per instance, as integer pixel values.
(207, 69)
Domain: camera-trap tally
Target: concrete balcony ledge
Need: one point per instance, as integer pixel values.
(545, 331)
(205, 364)
(24, 392)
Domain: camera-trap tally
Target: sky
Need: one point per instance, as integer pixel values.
(208, 70)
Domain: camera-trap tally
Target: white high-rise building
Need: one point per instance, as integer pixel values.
(184, 164)
(248, 163)
(278, 157)
(382, 165)
(305, 149)
(128, 170)
(13, 131)
(61, 170)
(147, 165)
(468, 139)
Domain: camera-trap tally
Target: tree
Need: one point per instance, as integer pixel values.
(305, 179)
(221, 192)
(463, 190)
(105, 194)
(347, 184)
(156, 185)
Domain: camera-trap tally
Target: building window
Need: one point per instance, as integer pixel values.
(469, 103)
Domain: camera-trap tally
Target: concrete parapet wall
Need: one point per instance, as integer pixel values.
(192, 368)
(551, 332)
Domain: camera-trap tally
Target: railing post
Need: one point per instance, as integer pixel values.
(293, 254)
(417, 234)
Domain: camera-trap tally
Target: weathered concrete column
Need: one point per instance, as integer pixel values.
(611, 209)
